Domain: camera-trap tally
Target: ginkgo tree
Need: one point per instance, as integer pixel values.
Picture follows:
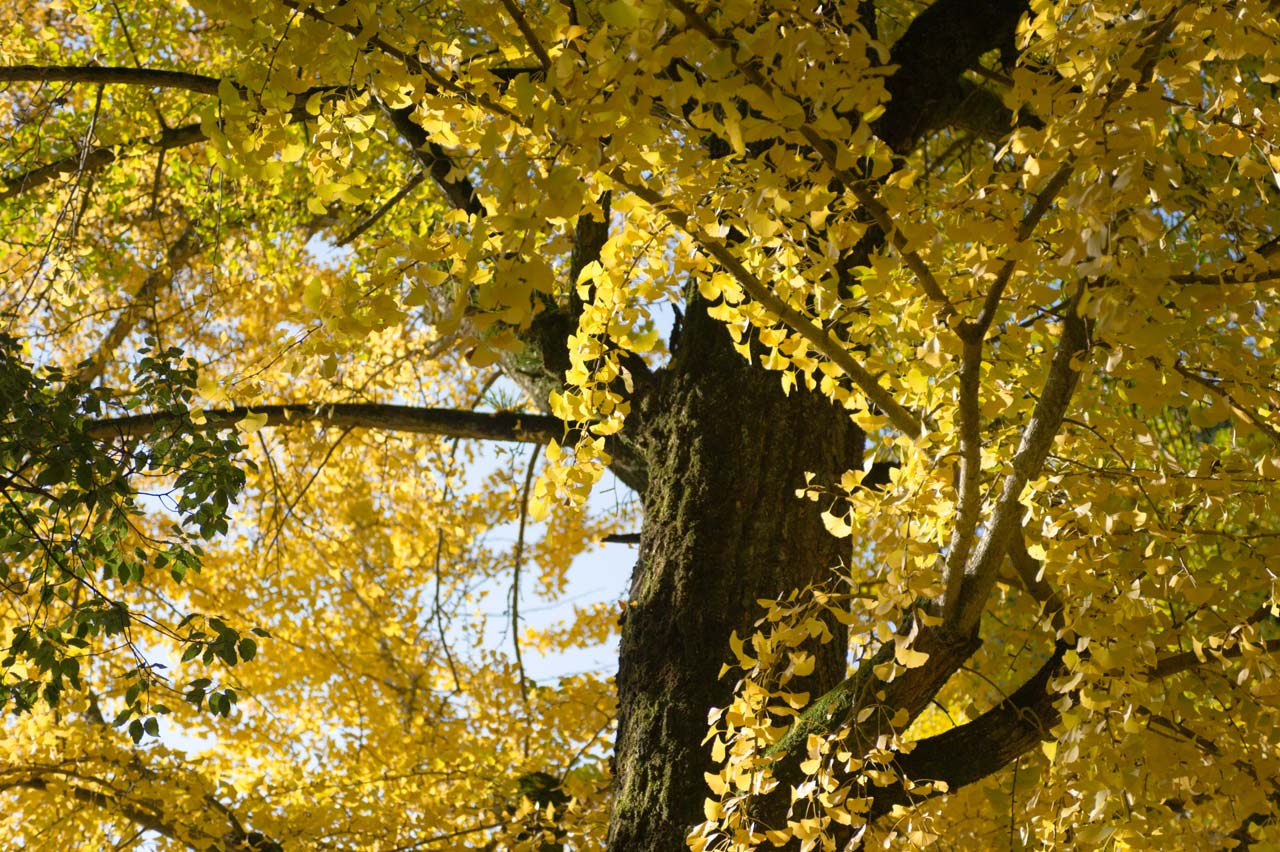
(928, 345)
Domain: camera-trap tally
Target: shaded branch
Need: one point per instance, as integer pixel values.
(1215, 387)
(436, 161)
(526, 30)
(1030, 572)
(1188, 660)
(987, 744)
(96, 159)
(110, 75)
(485, 426)
(549, 332)
(941, 43)
(830, 155)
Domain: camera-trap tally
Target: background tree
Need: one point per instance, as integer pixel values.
(932, 340)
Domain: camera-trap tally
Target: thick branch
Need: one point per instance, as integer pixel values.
(436, 161)
(973, 751)
(484, 426)
(941, 43)
(107, 76)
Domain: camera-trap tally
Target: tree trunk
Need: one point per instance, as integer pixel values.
(726, 451)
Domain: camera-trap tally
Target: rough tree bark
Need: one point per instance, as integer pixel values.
(726, 451)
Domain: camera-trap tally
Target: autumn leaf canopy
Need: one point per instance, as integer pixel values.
(336, 331)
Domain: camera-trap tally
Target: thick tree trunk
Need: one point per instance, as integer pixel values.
(726, 451)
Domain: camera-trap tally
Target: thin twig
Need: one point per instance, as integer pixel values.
(518, 564)
(382, 210)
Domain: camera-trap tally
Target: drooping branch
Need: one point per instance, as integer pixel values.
(477, 425)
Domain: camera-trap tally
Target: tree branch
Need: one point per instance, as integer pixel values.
(964, 612)
(907, 421)
(476, 425)
(1029, 571)
(436, 161)
(110, 75)
(939, 45)
(526, 30)
(192, 838)
(969, 496)
(973, 751)
(185, 247)
(1189, 660)
(96, 159)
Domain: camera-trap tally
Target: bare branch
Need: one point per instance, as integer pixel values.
(518, 563)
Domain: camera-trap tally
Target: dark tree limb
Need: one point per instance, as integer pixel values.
(109, 76)
(986, 745)
(96, 159)
(940, 44)
(484, 426)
